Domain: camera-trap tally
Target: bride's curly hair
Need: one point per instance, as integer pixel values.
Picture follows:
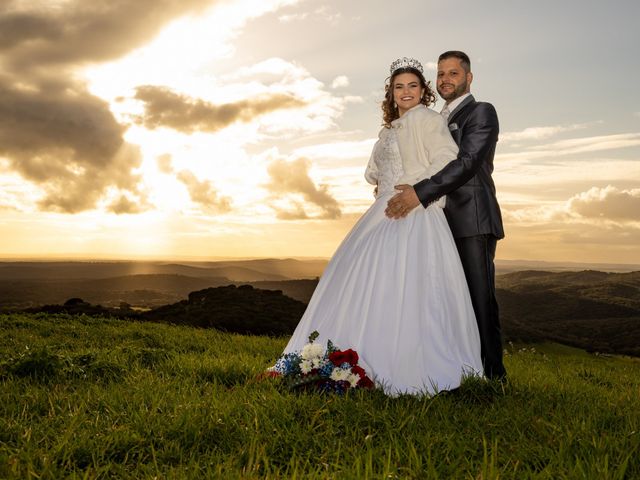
(389, 107)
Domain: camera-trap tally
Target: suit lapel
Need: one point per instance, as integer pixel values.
(459, 108)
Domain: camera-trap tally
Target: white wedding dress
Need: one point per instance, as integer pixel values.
(395, 292)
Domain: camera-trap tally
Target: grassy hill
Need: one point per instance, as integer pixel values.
(82, 397)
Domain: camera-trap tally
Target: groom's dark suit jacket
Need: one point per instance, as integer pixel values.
(472, 207)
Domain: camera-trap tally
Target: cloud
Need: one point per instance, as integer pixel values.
(607, 203)
(538, 133)
(599, 223)
(338, 152)
(321, 13)
(574, 146)
(340, 81)
(68, 143)
(204, 193)
(77, 31)
(597, 207)
(53, 131)
(125, 205)
(290, 179)
(165, 108)
(594, 144)
(165, 163)
(291, 17)
(276, 75)
(293, 211)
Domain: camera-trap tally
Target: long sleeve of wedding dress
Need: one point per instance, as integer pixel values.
(371, 172)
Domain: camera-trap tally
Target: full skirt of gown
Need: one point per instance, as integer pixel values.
(395, 292)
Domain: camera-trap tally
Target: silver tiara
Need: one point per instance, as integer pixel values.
(405, 62)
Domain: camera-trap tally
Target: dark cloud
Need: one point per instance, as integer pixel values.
(17, 28)
(52, 130)
(165, 108)
(72, 123)
(607, 203)
(81, 31)
(292, 178)
(68, 142)
(124, 204)
(204, 193)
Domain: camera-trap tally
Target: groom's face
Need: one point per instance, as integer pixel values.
(452, 80)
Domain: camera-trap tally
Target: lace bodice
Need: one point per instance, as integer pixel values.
(386, 164)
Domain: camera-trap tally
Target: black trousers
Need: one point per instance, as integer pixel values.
(477, 254)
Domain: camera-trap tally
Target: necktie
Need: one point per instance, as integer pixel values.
(445, 112)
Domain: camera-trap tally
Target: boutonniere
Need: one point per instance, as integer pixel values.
(453, 126)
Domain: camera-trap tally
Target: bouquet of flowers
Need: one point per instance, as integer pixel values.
(329, 370)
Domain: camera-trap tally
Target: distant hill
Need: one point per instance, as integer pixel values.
(611, 288)
(507, 266)
(596, 311)
(236, 270)
(241, 309)
(593, 310)
(142, 284)
(285, 268)
(301, 290)
(146, 291)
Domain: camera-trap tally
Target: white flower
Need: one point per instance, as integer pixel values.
(312, 350)
(345, 375)
(317, 362)
(305, 366)
(339, 374)
(353, 379)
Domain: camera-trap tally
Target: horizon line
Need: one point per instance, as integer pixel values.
(9, 258)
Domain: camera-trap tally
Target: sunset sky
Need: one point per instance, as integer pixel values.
(241, 128)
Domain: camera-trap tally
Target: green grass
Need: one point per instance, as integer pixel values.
(101, 398)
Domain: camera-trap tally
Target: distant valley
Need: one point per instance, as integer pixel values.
(140, 284)
(594, 310)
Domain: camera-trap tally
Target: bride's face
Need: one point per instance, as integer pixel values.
(407, 91)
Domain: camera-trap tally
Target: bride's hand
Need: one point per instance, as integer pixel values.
(402, 203)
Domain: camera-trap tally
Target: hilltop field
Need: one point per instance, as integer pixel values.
(84, 397)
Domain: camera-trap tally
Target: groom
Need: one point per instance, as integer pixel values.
(471, 208)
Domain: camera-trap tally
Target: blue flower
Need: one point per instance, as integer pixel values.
(326, 370)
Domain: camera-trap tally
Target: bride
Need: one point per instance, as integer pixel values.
(395, 290)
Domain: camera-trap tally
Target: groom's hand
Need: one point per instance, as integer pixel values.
(402, 203)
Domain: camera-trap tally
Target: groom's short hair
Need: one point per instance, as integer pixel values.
(463, 57)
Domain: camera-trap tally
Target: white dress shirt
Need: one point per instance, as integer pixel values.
(450, 107)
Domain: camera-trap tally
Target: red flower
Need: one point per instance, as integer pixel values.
(344, 356)
(365, 382)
